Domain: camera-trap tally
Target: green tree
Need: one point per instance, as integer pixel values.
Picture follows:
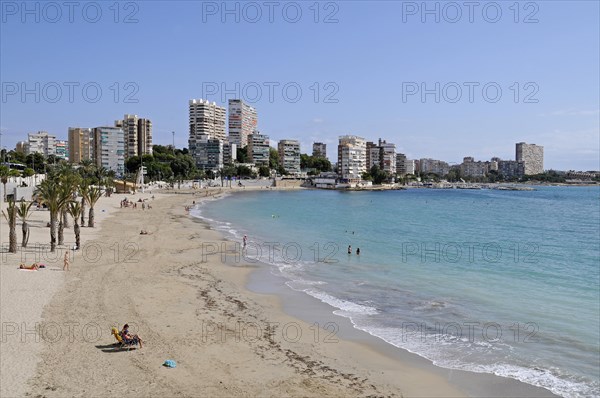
(76, 211)
(4, 175)
(11, 218)
(242, 155)
(24, 213)
(273, 158)
(36, 161)
(49, 191)
(264, 171)
(94, 194)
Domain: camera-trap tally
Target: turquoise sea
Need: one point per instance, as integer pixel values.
(502, 282)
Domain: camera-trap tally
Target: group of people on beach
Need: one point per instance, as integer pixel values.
(127, 203)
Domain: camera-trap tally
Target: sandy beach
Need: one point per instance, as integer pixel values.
(175, 289)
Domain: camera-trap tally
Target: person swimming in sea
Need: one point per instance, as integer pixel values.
(349, 249)
(358, 251)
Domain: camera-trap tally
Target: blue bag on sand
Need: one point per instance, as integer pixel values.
(170, 363)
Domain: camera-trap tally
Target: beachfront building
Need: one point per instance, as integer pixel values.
(81, 144)
(438, 167)
(510, 168)
(209, 153)
(62, 149)
(229, 152)
(109, 149)
(382, 155)
(532, 157)
(243, 121)
(41, 142)
(258, 149)
(319, 150)
(404, 166)
(372, 155)
(205, 118)
(400, 166)
(138, 135)
(470, 168)
(387, 157)
(352, 158)
(289, 155)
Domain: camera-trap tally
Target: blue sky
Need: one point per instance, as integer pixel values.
(360, 64)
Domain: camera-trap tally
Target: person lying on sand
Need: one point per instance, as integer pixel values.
(130, 338)
(144, 232)
(33, 266)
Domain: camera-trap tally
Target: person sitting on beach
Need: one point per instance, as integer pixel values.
(33, 266)
(130, 338)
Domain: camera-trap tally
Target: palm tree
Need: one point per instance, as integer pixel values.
(23, 213)
(94, 195)
(4, 174)
(65, 193)
(69, 182)
(11, 218)
(75, 211)
(50, 193)
(84, 189)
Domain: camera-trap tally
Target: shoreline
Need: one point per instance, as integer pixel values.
(309, 309)
(190, 307)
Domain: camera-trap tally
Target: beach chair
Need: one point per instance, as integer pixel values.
(121, 342)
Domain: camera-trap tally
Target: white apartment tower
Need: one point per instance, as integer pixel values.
(205, 118)
(41, 142)
(352, 158)
(243, 121)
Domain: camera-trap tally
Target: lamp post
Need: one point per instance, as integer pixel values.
(173, 133)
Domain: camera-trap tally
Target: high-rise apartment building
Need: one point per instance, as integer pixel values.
(352, 158)
(229, 152)
(243, 121)
(438, 167)
(137, 134)
(372, 155)
(387, 157)
(258, 149)
(532, 157)
(209, 153)
(81, 144)
(289, 155)
(109, 149)
(511, 168)
(470, 168)
(319, 150)
(62, 149)
(206, 118)
(382, 155)
(41, 142)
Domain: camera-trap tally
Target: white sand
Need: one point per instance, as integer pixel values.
(23, 294)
